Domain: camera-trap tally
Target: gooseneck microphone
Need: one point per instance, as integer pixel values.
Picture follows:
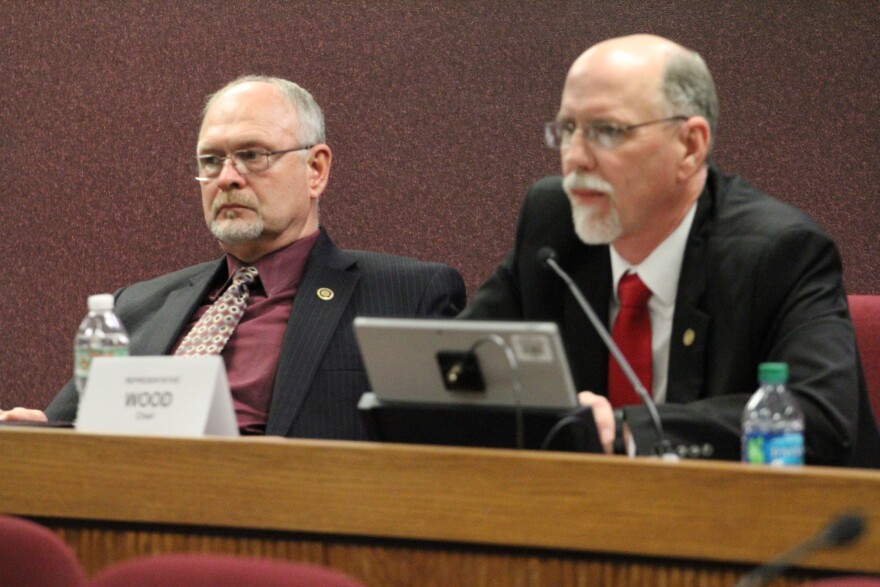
(841, 531)
(547, 258)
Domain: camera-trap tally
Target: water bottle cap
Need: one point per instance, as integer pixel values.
(773, 372)
(101, 303)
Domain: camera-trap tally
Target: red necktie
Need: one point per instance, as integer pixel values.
(632, 333)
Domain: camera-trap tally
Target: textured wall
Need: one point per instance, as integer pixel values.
(434, 113)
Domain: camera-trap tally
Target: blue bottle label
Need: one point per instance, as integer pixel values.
(774, 448)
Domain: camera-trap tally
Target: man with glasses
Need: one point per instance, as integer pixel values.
(292, 360)
(721, 276)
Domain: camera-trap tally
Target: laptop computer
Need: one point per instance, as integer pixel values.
(469, 383)
(411, 360)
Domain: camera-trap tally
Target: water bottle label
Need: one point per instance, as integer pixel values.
(774, 448)
(83, 358)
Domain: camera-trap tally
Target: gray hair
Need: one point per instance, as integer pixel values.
(311, 119)
(689, 88)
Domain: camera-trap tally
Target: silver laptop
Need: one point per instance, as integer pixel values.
(427, 361)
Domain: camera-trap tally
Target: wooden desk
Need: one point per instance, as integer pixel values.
(410, 515)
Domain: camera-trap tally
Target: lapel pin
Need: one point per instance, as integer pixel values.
(689, 336)
(325, 293)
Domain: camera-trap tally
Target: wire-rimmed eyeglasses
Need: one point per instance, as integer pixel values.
(207, 167)
(607, 135)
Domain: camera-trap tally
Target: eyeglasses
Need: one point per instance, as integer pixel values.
(606, 135)
(206, 167)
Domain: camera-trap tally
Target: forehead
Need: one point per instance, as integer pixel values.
(248, 113)
(612, 84)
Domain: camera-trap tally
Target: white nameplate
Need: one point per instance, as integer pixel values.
(157, 396)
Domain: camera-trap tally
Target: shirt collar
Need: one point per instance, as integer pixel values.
(661, 269)
(280, 270)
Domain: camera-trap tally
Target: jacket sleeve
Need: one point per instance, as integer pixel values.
(444, 295)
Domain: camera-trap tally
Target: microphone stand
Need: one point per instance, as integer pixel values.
(839, 532)
(662, 447)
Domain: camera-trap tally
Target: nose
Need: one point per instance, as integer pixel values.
(230, 177)
(578, 155)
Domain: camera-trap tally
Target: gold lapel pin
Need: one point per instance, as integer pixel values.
(325, 293)
(689, 336)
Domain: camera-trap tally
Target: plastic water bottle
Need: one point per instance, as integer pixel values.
(773, 423)
(100, 334)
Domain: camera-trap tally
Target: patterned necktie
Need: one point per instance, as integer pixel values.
(632, 333)
(211, 333)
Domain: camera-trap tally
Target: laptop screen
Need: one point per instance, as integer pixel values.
(485, 363)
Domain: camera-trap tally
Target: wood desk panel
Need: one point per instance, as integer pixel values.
(405, 512)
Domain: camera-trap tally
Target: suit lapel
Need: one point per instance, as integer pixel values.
(593, 277)
(314, 320)
(156, 337)
(690, 324)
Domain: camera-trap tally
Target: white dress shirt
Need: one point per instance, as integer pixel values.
(659, 272)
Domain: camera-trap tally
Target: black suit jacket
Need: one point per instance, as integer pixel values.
(759, 282)
(320, 375)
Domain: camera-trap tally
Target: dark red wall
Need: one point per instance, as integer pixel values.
(434, 112)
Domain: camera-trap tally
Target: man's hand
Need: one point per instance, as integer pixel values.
(604, 415)
(23, 414)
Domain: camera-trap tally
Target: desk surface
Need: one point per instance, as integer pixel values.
(710, 511)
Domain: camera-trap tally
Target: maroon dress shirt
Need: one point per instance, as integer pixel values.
(251, 355)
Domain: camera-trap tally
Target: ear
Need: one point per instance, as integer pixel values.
(694, 135)
(319, 160)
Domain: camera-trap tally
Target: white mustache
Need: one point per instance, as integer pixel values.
(584, 181)
(225, 198)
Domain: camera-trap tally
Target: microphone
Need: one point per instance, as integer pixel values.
(841, 531)
(547, 258)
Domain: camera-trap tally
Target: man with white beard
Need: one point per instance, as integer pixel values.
(728, 276)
